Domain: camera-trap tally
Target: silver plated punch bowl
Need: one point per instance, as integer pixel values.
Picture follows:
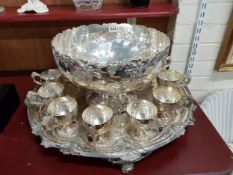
(109, 58)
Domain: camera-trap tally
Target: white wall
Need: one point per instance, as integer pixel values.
(205, 80)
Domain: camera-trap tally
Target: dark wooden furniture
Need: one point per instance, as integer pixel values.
(108, 11)
(200, 151)
(25, 38)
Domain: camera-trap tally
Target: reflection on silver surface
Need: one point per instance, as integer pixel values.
(104, 60)
(142, 125)
(45, 94)
(116, 102)
(169, 75)
(63, 110)
(62, 106)
(97, 115)
(46, 76)
(97, 122)
(115, 63)
(51, 90)
(121, 144)
(167, 95)
(142, 110)
(96, 44)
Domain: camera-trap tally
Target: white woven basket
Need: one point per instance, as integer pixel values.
(219, 109)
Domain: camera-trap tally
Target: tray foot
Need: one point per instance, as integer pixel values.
(126, 168)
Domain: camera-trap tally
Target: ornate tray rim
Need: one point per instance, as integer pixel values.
(126, 156)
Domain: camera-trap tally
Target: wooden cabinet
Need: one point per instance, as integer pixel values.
(25, 39)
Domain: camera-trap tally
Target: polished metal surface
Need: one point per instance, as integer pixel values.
(64, 109)
(120, 144)
(167, 94)
(122, 115)
(50, 90)
(117, 103)
(142, 110)
(62, 106)
(143, 123)
(46, 76)
(44, 94)
(169, 77)
(97, 121)
(60, 112)
(97, 115)
(112, 58)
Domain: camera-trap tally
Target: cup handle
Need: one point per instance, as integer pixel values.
(166, 63)
(182, 101)
(34, 76)
(187, 91)
(187, 100)
(189, 96)
(185, 80)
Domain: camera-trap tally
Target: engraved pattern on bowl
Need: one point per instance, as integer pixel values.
(122, 58)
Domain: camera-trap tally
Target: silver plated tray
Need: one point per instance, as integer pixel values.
(123, 147)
